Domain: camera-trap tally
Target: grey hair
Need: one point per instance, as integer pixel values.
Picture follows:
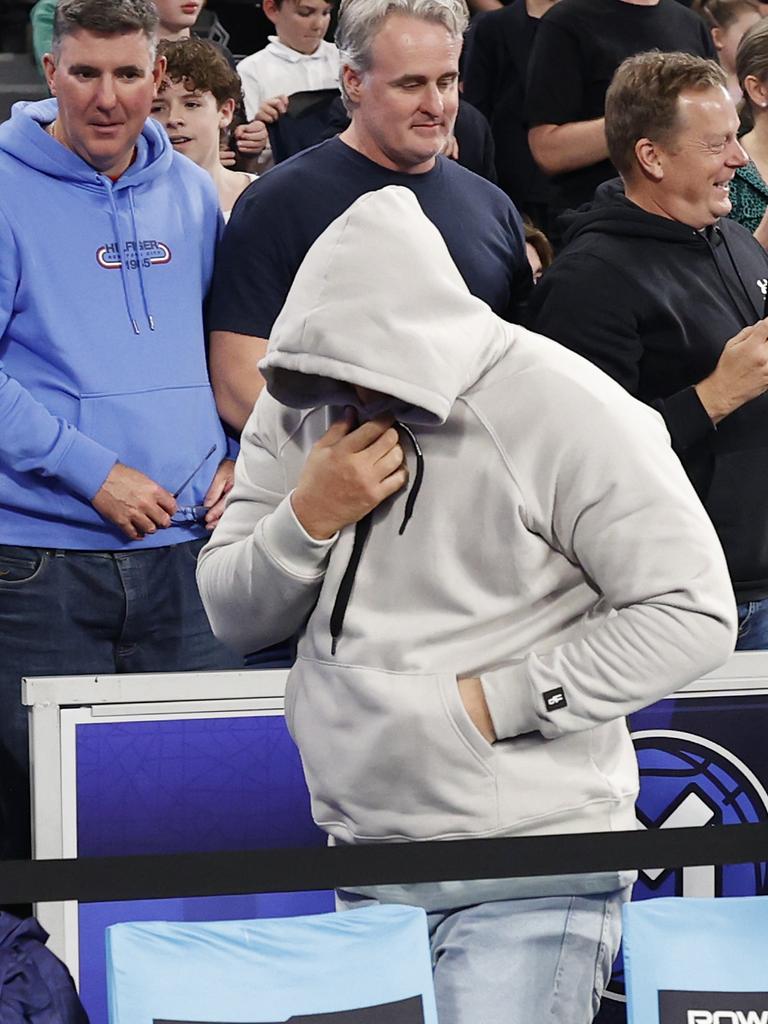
(110, 17)
(360, 21)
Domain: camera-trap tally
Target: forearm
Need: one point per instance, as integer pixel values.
(626, 514)
(34, 440)
(631, 660)
(260, 589)
(715, 403)
(686, 418)
(260, 573)
(558, 148)
(235, 376)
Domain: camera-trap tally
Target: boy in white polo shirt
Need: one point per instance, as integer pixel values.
(296, 59)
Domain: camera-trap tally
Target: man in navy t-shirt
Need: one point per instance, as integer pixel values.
(400, 84)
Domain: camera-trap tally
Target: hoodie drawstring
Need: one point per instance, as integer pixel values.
(414, 491)
(362, 529)
(121, 260)
(121, 253)
(142, 287)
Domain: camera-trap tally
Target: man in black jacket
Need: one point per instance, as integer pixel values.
(664, 293)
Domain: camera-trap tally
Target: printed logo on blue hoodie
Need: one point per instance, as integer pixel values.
(102, 355)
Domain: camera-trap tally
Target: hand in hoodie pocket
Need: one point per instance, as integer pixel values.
(390, 755)
(476, 706)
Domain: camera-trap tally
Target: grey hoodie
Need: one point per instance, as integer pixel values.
(556, 549)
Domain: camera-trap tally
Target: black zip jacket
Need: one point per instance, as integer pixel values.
(652, 302)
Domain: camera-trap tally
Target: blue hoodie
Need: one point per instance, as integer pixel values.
(102, 354)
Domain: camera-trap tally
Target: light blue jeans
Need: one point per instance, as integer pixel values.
(753, 625)
(522, 961)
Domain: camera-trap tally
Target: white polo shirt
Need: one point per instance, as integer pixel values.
(277, 70)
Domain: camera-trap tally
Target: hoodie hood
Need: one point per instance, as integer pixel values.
(611, 213)
(378, 302)
(21, 137)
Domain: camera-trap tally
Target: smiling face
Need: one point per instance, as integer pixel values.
(405, 105)
(193, 120)
(177, 16)
(104, 85)
(300, 24)
(696, 168)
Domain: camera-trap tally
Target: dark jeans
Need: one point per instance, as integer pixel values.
(77, 613)
(753, 625)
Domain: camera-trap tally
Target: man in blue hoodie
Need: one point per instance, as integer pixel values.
(113, 462)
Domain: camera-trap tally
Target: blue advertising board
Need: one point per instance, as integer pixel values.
(186, 785)
(228, 783)
(703, 762)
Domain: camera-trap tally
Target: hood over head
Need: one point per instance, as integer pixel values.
(378, 302)
(23, 138)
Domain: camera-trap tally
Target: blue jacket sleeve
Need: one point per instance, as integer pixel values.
(33, 440)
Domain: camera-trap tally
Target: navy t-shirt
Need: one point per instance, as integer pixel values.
(281, 214)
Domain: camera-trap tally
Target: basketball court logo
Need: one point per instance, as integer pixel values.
(686, 781)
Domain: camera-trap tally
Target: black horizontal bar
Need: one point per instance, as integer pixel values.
(97, 879)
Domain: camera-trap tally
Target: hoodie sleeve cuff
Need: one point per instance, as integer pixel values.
(291, 547)
(85, 466)
(508, 696)
(686, 418)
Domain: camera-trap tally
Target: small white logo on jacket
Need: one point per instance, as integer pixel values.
(555, 699)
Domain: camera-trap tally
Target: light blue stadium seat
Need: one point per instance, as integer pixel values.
(366, 966)
(697, 961)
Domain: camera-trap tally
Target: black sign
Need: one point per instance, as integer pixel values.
(404, 1011)
(713, 1007)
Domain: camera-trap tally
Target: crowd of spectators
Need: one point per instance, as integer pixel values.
(114, 468)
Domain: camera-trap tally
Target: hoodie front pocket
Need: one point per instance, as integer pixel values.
(165, 433)
(390, 755)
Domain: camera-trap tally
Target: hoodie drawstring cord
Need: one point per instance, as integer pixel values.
(121, 260)
(414, 491)
(142, 287)
(362, 529)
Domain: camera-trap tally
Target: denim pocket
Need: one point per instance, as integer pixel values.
(16, 570)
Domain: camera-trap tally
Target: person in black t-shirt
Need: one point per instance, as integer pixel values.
(578, 46)
(400, 82)
(495, 71)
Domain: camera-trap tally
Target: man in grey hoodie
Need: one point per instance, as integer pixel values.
(476, 627)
